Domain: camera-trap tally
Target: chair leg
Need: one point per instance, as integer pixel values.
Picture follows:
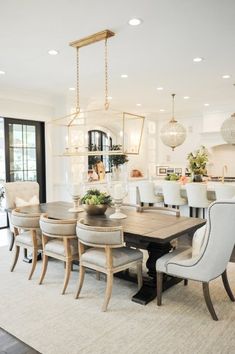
(185, 282)
(80, 281)
(203, 213)
(190, 212)
(139, 275)
(67, 276)
(227, 286)
(34, 262)
(44, 268)
(108, 291)
(209, 304)
(12, 241)
(97, 275)
(17, 251)
(159, 288)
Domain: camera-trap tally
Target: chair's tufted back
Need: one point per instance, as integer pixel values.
(57, 228)
(23, 190)
(25, 221)
(94, 235)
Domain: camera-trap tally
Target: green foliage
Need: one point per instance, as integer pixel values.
(172, 177)
(197, 161)
(95, 197)
(117, 160)
(2, 193)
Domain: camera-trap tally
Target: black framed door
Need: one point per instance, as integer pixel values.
(25, 152)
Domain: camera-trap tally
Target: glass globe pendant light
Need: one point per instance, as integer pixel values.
(228, 130)
(173, 133)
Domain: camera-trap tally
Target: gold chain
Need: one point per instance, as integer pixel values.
(106, 102)
(78, 82)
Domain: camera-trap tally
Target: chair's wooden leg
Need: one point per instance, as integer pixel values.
(34, 262)
(185, 282)
(44, 268)
(17, 251)
(209, 304)
(80, 281)
(197, 212)
(97, 274)
(108, 291)
(159, 288)
(12, 241)
(227, 286)
(203, 213)
(190, 212)
(67, 276)
(139, 275)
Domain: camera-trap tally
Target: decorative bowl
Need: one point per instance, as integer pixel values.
(91, 209)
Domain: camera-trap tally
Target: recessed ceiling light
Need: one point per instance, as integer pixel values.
(226, 76)
(2, 72)
(124, 76)
(138, 104)
(198, 59)
(206, 104)
(162, 110)
(159, 88)
(109, 97)
(186, 97)
(135, 21)
(72, 89)
(53, 52)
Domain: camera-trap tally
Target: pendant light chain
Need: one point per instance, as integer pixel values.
(78, 83)
(173, 108)
(106, 102)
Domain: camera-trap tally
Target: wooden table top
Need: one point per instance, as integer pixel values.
(153, 226)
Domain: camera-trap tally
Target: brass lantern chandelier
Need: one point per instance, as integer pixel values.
(173, 133)
(117, 125)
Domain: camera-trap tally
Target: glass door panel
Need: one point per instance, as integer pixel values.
(3, 215)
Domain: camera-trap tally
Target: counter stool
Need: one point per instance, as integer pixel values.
(197, 198)
(171, 194)
(145, 193)
(224, 191)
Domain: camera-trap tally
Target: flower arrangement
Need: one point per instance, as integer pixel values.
(95, 197)
(197, 161)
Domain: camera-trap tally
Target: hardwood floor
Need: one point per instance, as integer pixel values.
(11, 345)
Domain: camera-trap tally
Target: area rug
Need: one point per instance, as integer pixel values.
(58, 324)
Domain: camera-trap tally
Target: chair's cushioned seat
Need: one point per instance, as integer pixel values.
(121, 256)
(57, 246)
(179, 254)
(26, 238)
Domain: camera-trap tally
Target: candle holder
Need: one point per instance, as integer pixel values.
(118, 191)
(117, 214)
(75, 191)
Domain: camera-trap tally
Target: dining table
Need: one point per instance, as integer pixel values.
(147, 229)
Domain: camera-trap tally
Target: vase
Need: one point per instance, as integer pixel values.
(99, 209)
(197, 178)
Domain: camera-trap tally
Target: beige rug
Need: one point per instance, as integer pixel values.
(56, 324)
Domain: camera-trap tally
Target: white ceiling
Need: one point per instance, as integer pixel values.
(159, 52)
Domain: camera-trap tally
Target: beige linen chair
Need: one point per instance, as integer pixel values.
(59, 241)
(106, 254)
(145, 193)
(211, 257)
(224, 191)
(171, 194)
(24, 191)
(197, 198)
(27, 235)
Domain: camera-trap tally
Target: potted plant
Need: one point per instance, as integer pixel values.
(117, 160)
(172, 177)
(197, 163)
(96, 202)
(2, 193)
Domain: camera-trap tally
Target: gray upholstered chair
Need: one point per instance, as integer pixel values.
(212, 257)
(16, 192)
(27, 235)
(106, 254)
(59, 241)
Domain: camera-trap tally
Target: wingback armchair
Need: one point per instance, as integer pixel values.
(212, 257)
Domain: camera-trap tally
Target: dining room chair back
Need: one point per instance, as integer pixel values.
(105, 253)
(171, 193)
(146, 190)
(224, 191)
(197, 197)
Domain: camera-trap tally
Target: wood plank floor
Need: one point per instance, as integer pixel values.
(11, 345)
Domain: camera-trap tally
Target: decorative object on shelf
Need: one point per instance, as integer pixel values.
(136, 173)
(95, 202)
(197, 163)
(100, 170)
(173, 133)
(118, 189)
(75, 191)
(162, 170)
(228, 130)
(119, 124)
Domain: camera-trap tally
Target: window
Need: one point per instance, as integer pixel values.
(99, 140)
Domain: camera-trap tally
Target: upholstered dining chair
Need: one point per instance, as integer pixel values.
(197, 197)
(210, 260)
(59, 241)
(145, 193)
(27, 235)
(171, 194)
(106, 254)
(224, 191)
(18, 194)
